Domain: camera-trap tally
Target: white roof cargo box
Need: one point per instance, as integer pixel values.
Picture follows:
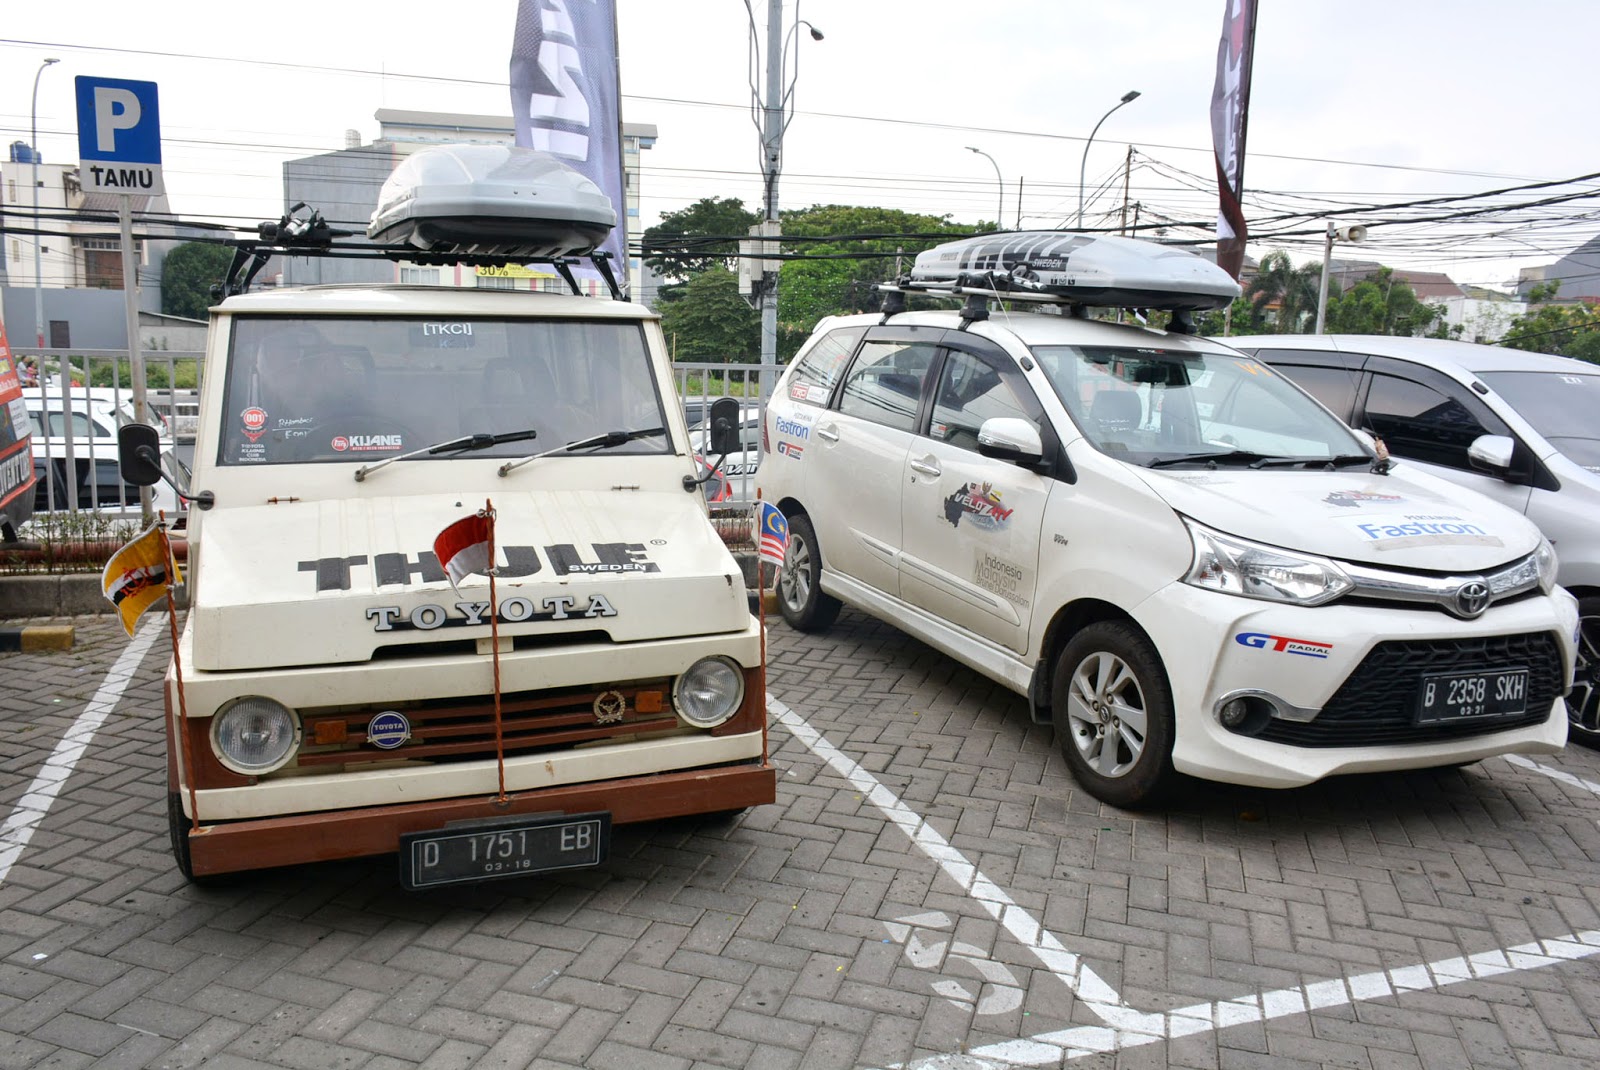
(1079, 268)
(491, 200)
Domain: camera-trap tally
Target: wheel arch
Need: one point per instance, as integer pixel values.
(1068, 621)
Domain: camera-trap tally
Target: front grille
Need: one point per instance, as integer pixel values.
(1375, 704)
(446, 730)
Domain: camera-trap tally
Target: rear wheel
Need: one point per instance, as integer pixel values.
(1112, 708)
(1583, 704)
(800, 596)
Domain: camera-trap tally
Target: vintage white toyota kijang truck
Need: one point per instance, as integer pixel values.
(338, 690)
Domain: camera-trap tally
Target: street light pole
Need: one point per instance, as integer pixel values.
(1127, 98)
(38, 238)
(1000, 205)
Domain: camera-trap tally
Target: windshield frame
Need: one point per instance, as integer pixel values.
(362, 387)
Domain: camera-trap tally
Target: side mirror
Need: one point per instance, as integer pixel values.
(139, 454)
(1007, 438)
(1492, 454)
(725, 416)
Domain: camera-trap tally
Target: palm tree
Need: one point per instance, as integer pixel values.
(1294, 290)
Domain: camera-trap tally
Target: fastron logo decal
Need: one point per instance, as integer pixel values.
(793, 427)
(1410, 530)
(980, 501)
(1282, 644)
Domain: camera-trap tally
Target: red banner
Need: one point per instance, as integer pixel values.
(1230, 109)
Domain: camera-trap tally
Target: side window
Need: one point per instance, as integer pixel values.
(885, 383)
(814, 375)
(1334, 387)
(1419, 422)
(969, 393)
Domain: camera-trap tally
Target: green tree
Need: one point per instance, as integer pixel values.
(187, 275)
(702, 236)
(708, 320)
(1565, 330)
(1246, 319)
(1293, 289)
(1382, 304)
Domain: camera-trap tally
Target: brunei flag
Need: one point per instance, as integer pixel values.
(136, 576)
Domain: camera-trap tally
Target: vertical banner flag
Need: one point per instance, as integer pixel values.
(566, 91)
(772, 532)
(136, 576)
(1230, 109)
(463, 547)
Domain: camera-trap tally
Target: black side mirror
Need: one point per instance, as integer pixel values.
(139, 454)
(725, 416)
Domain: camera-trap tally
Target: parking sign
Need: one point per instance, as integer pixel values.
(119, 136)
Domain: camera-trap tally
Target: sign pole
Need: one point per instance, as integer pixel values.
(130, 294)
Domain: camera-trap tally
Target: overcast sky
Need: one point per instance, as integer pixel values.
(1355, 102)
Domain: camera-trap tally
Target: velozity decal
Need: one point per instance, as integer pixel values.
(1282, 644)
(981, 502)
(1353, 499)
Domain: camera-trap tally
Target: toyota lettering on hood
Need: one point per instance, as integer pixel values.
(335, 581)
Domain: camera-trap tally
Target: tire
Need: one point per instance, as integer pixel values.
(800, 596)
(178, 830)
(1583, 704)
(1112, 708)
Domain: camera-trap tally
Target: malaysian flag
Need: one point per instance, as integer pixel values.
(772, 532)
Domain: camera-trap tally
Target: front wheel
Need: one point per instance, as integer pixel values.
(1583, 704)
(800, 595)
(1112, 708)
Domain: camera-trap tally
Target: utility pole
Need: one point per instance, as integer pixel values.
(772, 162)
(1127, 174)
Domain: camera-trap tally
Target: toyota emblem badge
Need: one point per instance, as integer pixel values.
(1472, 598)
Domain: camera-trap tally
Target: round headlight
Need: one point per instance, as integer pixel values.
(255, 735)
(709, 692)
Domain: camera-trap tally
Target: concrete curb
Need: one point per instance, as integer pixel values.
(36, 637)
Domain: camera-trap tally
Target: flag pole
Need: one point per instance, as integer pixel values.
(177, 671)
(494, 639)
(761, 599)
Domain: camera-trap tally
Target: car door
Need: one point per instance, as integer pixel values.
(1426, 418)
(858, 454)
(970, 524)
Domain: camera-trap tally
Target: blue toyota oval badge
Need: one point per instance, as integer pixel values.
(388, 730)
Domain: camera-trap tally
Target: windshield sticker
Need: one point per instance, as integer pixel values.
(1574, 380)
(1411, 530)
(791, 450)
(255, 422)
(1282, 644)
(1001, 577)
(980, 501)
(1352, 499)
(438, 330)
(365, 443)
(516, 610)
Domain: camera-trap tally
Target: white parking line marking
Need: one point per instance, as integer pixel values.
(52, 776)
(1127, 1027)
(1553, 773)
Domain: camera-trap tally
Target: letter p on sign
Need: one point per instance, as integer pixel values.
(114, 109)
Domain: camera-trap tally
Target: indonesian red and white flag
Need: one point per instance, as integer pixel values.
(463, 547)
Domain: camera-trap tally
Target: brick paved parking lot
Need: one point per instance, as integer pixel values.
(930, 890)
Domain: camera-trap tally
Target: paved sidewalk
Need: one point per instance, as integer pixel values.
(835, 929)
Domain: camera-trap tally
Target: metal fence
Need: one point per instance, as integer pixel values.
(79, 472)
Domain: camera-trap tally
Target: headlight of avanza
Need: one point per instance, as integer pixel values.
(1252, 570)
(709, 692)
(255, 735)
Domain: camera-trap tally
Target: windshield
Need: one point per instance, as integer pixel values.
(1156, 406)
(337, 389)
(1559, 405)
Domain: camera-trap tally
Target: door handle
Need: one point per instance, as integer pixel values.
(828, 431)
(926, 468)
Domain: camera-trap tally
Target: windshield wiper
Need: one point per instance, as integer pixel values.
(1211, 459)
(603, 441)
(464, 444)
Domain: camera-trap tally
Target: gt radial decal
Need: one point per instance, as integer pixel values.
(979, 501)
(791, 450)
(1282, 644)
